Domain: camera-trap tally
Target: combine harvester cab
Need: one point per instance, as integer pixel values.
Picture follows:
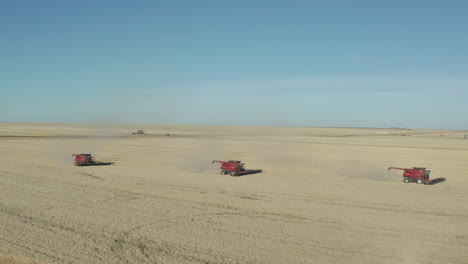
(85, 159)
(418, 175)
(234, 168)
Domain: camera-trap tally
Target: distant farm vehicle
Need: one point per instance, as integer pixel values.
(418, 175)
(234, 168)
(139, 132)
(84, 159)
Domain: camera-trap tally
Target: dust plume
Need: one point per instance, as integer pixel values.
(105, 114)
(371, 171)
(101, 134)
(362, 165)
(93, 138)
(200, 158)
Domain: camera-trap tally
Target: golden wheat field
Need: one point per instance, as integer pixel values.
(324, 196)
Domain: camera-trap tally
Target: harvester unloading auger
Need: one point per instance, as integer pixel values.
(234, 168)
(417, 174)
(84, 159)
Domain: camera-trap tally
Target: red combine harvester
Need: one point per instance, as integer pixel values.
(418, 175)
(234, 168)
(139, 132)
(84, 159)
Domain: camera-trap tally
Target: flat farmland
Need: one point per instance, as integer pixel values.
(325, 195)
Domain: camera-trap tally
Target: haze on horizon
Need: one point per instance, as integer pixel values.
(287, 63)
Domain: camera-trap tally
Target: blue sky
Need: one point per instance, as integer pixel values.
(294, 63)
